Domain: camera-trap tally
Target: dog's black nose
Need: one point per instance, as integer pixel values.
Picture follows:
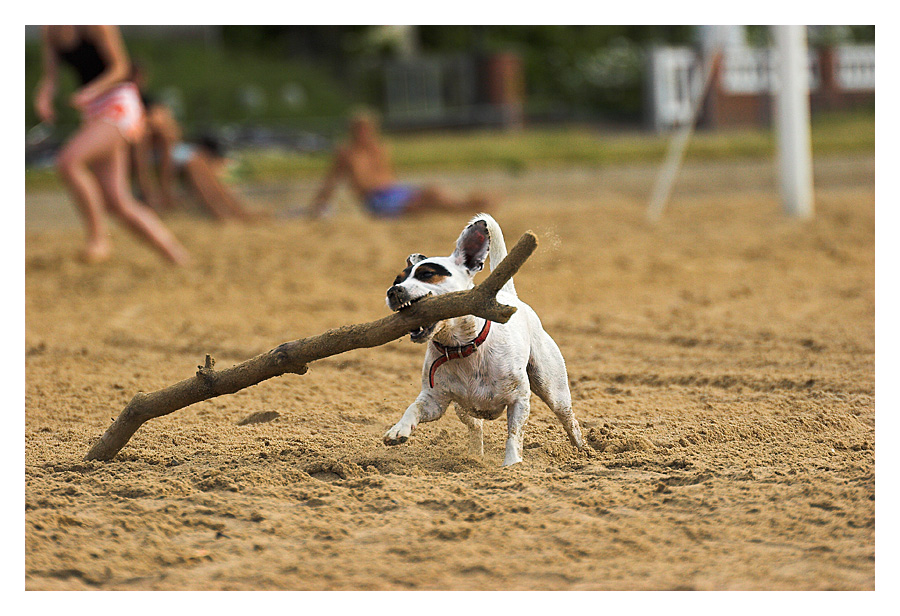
(395, 293)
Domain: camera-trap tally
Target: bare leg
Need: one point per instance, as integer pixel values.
(112, 175)
(214, 194)
(432, 197)
(205, 189)
(91, 143)
(226, 195)
(476, 431)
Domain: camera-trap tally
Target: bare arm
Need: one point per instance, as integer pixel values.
(46, 89)
(168, 131)
(109, 44)
(167, 177)
(146, 181)
(338, 169)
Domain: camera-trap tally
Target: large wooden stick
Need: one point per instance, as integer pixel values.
(293, 357)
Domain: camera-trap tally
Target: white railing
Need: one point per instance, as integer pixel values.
(855, 67)
(673, 75)
(752, 71)
(746, 71)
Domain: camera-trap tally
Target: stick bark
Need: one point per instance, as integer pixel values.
(294, 357)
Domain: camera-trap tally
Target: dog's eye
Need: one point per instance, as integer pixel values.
(424, 275)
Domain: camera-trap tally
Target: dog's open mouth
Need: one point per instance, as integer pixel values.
(422, 333)
(410, 302)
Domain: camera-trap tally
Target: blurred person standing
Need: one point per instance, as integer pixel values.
(94, 164)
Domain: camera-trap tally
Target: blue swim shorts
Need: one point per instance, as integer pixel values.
(391, 201)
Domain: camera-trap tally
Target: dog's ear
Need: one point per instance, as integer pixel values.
(414, 258)
(472, 246)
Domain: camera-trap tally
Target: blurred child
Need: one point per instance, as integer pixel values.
(200, 163)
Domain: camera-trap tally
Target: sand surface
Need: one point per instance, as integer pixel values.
(721, 365)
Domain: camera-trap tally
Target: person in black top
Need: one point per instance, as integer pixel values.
(94, 162)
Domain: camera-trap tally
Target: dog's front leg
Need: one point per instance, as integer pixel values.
(476, 431)
(425, 408)
(516, 416)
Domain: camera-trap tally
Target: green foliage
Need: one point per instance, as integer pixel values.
(309, 76)
(580, 71)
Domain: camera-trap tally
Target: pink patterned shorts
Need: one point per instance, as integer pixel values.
(121, 106)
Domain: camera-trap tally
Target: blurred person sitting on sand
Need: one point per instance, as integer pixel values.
(94, 163)
(366, 163)
(200, 162)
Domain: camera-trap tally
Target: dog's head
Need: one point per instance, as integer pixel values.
(426, 276)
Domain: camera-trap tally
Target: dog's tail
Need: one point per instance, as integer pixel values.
(497, 247)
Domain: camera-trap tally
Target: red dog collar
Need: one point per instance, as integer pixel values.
(457, 352)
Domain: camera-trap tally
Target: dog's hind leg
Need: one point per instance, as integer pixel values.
(476, 431)
(549, 380)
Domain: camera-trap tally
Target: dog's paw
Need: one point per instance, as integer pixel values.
(398, 434)
(510, 460)
(513, 453)
(577, 440)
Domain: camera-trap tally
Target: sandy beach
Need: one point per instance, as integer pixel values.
(722, 365)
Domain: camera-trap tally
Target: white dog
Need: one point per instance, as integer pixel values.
(484, 367)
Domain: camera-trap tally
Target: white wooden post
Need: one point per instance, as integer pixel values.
(792, 120)
(678, 144)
